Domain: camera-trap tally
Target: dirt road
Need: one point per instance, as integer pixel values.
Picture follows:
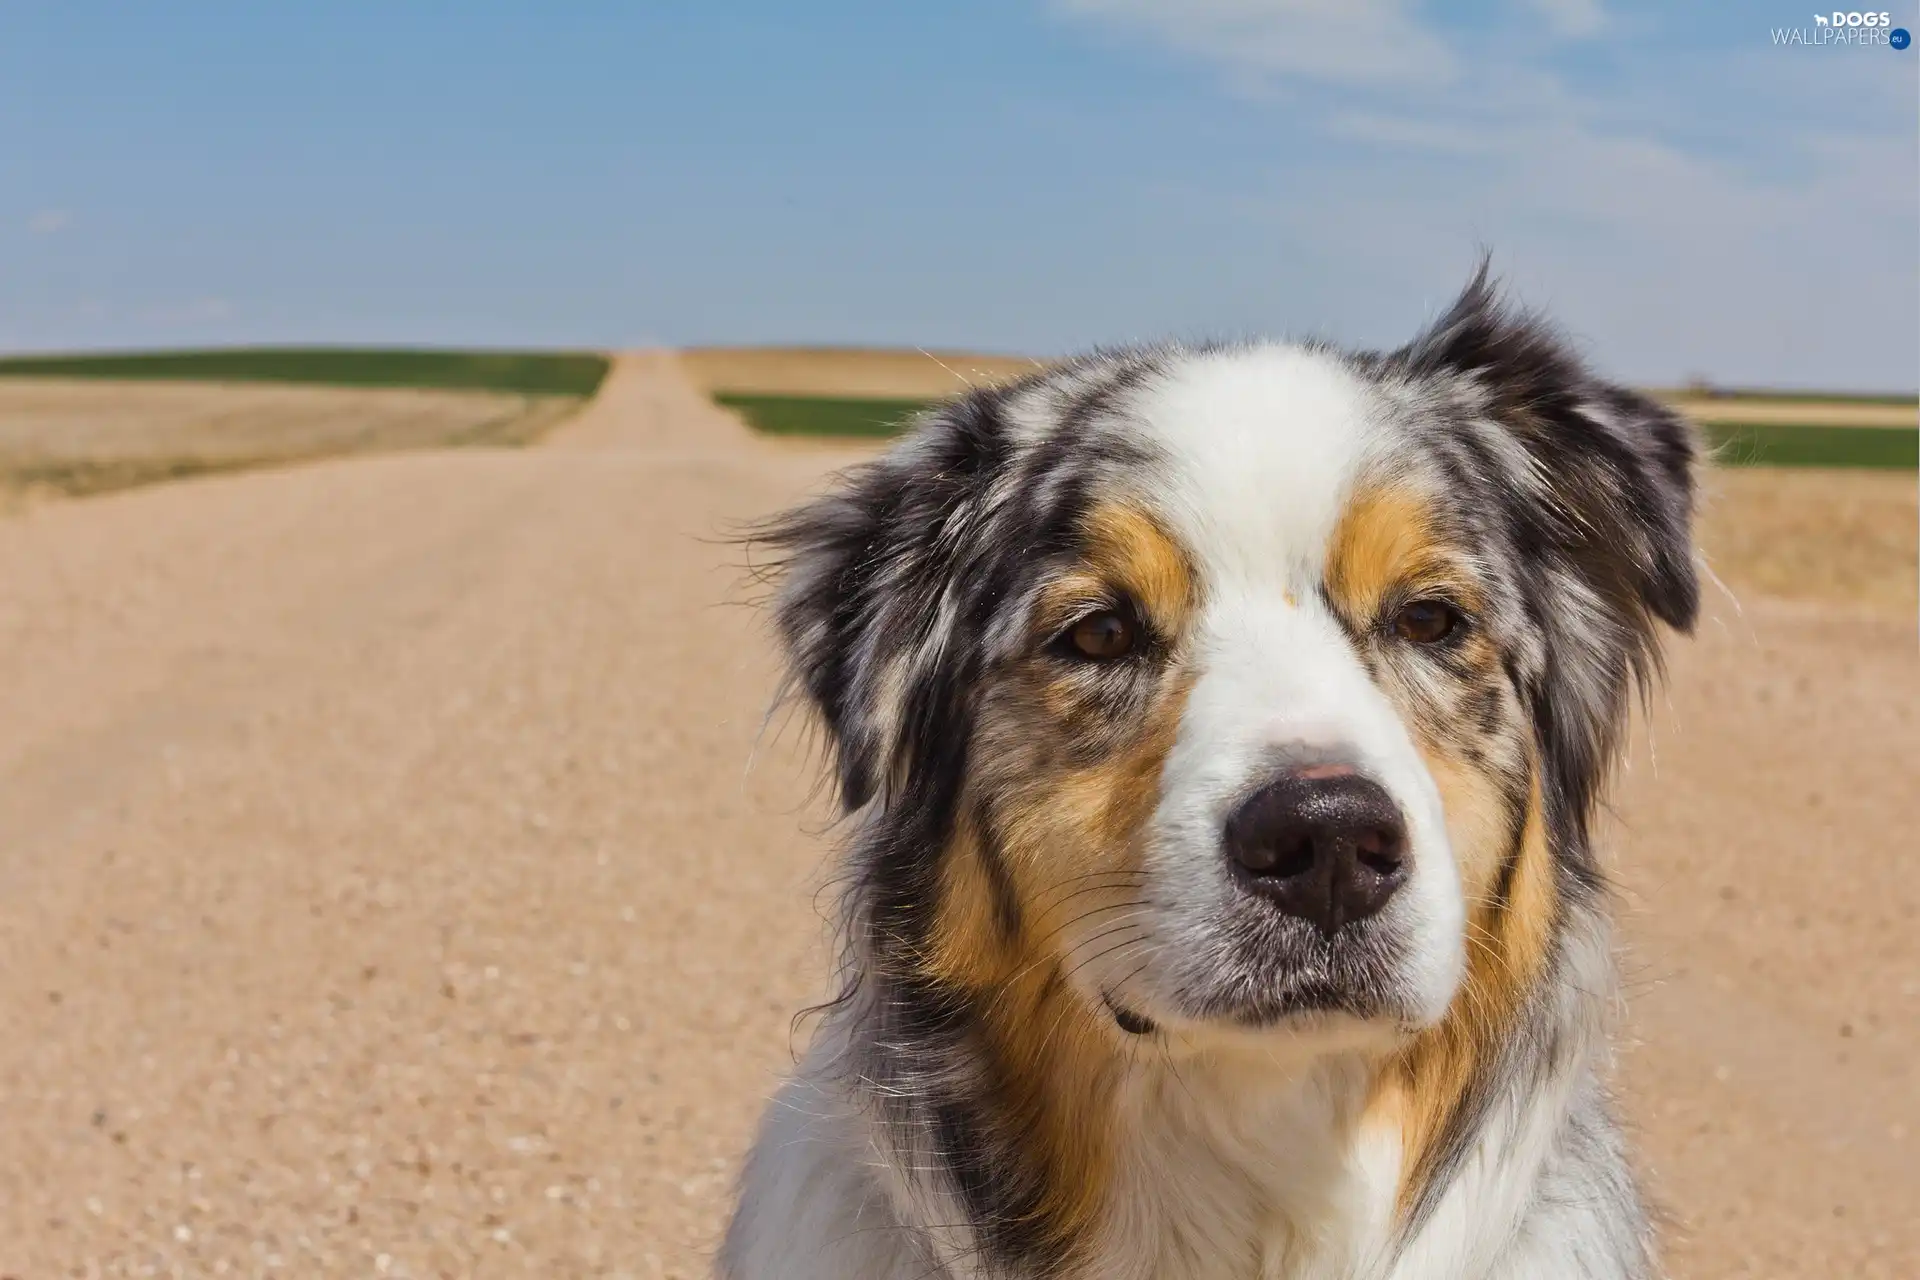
(384, 888)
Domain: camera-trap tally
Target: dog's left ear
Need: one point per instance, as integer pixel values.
(1594, 484)
(1613, 469)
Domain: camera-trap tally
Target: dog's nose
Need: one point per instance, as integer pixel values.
(1326, 844)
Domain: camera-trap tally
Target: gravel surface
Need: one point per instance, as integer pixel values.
(395, 879)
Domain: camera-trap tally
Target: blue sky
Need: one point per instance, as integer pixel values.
(1686, 196)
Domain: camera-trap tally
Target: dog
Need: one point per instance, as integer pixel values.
(1220, 731)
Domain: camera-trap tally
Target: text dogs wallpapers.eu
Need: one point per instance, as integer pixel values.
(1220, 730)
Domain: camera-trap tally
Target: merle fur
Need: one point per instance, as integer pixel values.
(918, 562)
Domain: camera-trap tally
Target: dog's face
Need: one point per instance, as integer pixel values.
(1227, 688)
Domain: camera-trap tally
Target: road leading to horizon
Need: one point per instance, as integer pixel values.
(390, 882)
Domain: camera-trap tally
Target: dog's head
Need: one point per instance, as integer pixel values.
(1242, 690)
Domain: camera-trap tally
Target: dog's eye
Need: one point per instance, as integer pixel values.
(1426, 621)
(1103, 636)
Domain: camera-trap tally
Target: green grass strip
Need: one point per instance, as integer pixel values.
(1788, 445)
(525, 372)
(1734, 444)
(822, 415)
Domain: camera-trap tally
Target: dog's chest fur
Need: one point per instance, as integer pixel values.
(1251, 1170)
(1248, 1170)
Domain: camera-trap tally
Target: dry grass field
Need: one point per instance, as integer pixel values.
(1769, 410)
(397, 881)
(78, 436)
(1845, 537)
(847, 371)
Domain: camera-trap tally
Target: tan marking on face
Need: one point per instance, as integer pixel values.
(1385, 545)
(1128, 553)
(1074, 850)
(1070, 844)
(1051, 1066)
(1131, 550)
(967, 946)
(1506, 947)
(1100, 809)
(1479, 821)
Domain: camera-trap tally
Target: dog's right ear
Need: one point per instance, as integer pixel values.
(829, 569)
(862, 575)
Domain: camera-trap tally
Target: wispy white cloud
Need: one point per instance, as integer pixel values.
(1655, 226)
(1330, 41)
(1349, 42)
(49, 222)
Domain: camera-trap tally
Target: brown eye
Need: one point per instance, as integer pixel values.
(1426, 621)
(1103, 636)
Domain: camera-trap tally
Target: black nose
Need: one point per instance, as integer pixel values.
(1323, 843)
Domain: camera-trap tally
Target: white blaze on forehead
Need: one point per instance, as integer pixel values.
(1262, 446)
